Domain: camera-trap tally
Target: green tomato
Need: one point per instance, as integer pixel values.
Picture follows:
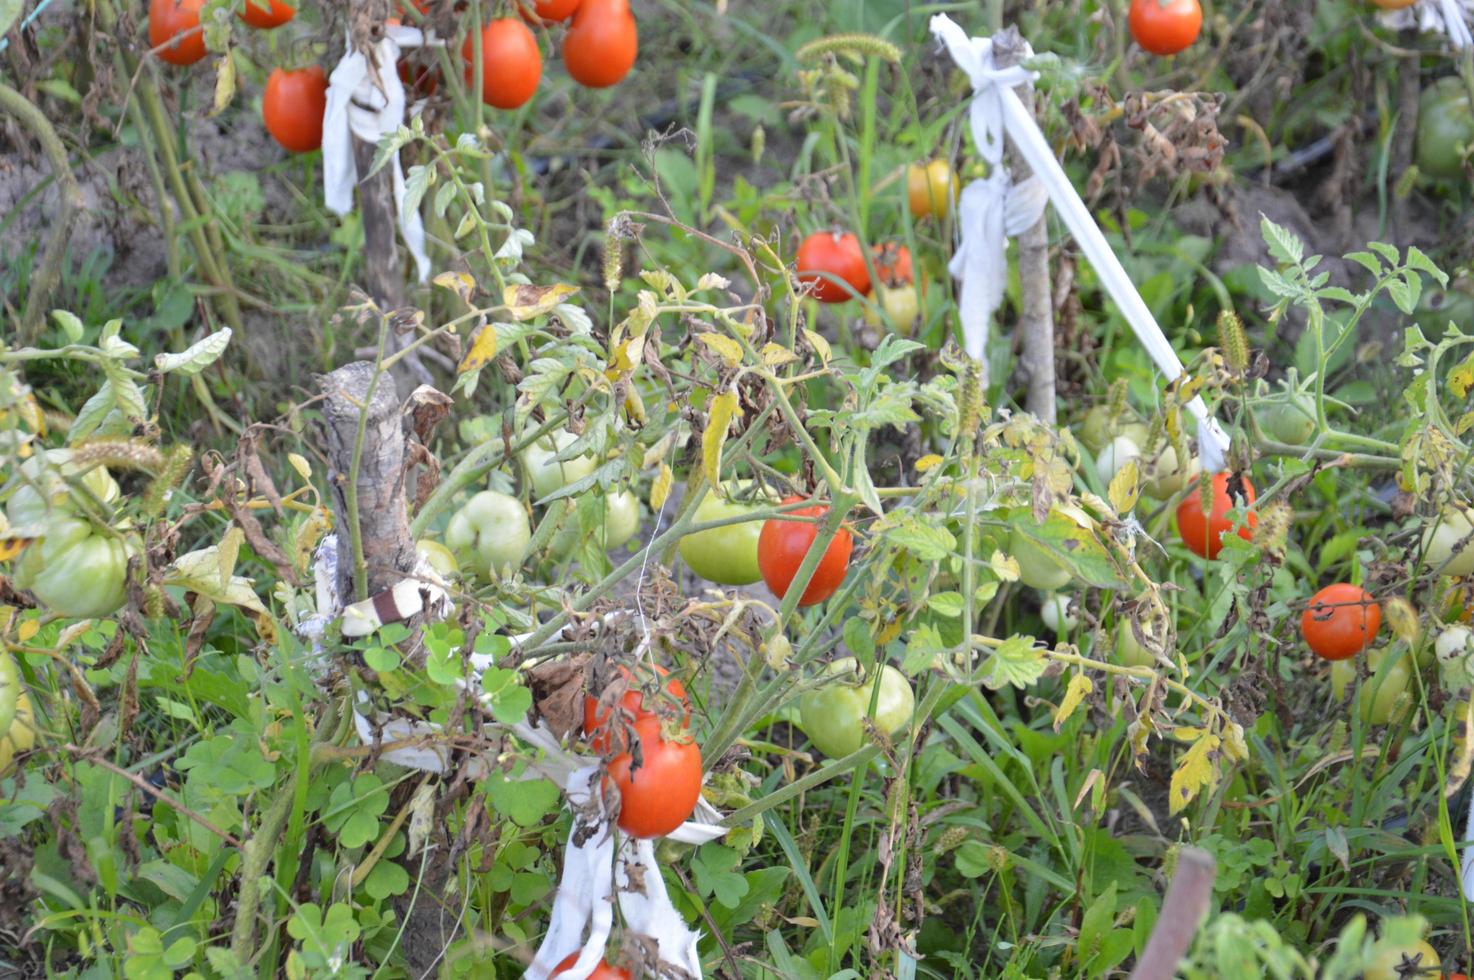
(1130, 652)
(725, 555)
(546, 474)
(621, 520)
(1038, 568)
(1054, 609)
(76, 570)
(1445, 128)
(1096, 430)
(1390, 961)
(45, 493)
(1165, 476)
(1443, 535)
(1116, 454)
(490, 534)
(10, 690)
(21, 736)
(441, 558)
(1290, 421)
(1384, 696)
(831, 715)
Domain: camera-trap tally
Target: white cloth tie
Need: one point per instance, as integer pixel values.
(369, 105)
(1448, 17)
(997, 109)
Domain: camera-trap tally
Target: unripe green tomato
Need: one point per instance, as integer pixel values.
(1096, 431)
(1166, 477)
(490, 535)
(1117, 453)
(1290, 421)
(10, 690)
(1129, 651)
(1442, 534)
(21, 735)
(621, 521)
(1038, 569)
(831, 715)
(76, 570)
(1418, 961)
(1054, 610)
(441, 558)
(46, 493)
(1381, 700)
(725, 555)
(1445, 128)
(546, 474)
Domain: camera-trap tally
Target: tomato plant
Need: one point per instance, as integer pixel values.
(293, 105)
(1341, 621)
(545, 472)
(267, 14)
(601, 972)
(832, 715)
(659, 794)
(781, 548)
(511, 64)
(1165, 27)
(174, 30)
(1203, 533)
(597, 722)
(835, 266)
(490, 534)
(931, 189)
(601, 45)
(726, 555)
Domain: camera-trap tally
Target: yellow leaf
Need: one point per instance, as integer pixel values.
(928, 462)
(526, 302)
(28, 630)
(634, 406)
(820, 345)
(724, 347)
(627, 355)
(1079, 686)
(10, 547)
(224, 83)
(457, 282)
(483, 349)
(1197, 771)
(1234, 745)
(1124, 488)
(300, 464)
(230, 549)
(776, 355)
(1006, 567)
(31, 414)
(1461, 378)
(72, 634)
(1402, 618)
(660, 488)
(720, 411)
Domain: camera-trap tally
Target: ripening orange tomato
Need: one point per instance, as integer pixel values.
(511, 64)
(293, 106)
(1165, 27)
(550, 11)
(1341, 621)
(168, 20)
(266, 14)
(1203, 533)
(931, 189)
(601, 972)
(830, 260)
(601, 45)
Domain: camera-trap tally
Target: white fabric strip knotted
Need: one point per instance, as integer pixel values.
(996, 110)
(368, 105)
(1447, 17)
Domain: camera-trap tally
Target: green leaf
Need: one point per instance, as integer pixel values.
(524, 801)
(1016, 661)
(929, 542)
(354, 808)
(197, 356)
(859, 637)
(948, 604)
(508, 699)
(1284, 246)
(70, 323)
(972, 859)
(386, 880)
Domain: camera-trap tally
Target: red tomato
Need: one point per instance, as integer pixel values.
(293, 105)
(893, 264)
(830, 260)
(278, 15)
(420, 80)
(1341, 621)
(783, 544)
(601, 972)
(167, 20)
(632, 704)
(550, 11)
(602, 43)
(1203, 533)
(511, 64)
(660, 794)
(1165, 26)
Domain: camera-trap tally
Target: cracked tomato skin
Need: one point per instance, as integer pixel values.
(632, 704)
(659, 795)
(1165, 27)
(831, 261)
(783, 544)
(266, 19)
(511, 64)
(167, 20)
(601, 972)
(1341, 621)
(1203, 533)
(602, 43)
(293, 105)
